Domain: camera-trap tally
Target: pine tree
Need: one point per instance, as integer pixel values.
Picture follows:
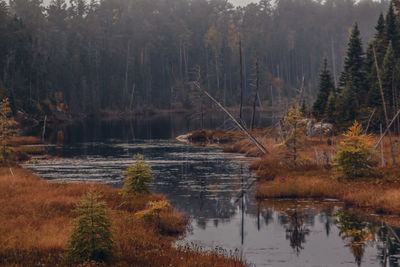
(353, 75)
(137, 177)
(8, 128)
(91, 239)
(324, 88)
(331, 108)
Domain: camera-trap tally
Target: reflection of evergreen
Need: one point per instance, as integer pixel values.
(356, 232)
(296, 231)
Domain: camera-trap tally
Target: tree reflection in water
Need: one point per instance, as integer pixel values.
(296, 230)
(356, 232)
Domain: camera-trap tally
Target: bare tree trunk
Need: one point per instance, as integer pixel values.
(241, 77)
(369, 120)
(387, 130)
(384, 107)
(255, 95)
(382, 155)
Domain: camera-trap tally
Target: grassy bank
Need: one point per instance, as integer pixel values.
(279, 177)
(36, 218)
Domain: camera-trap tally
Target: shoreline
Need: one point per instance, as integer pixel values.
(278, 178)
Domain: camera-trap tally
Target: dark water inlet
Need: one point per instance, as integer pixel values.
(216, 190)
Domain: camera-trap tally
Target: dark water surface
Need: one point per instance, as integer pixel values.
(216, 190)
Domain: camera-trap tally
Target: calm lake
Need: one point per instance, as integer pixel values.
(216, 190)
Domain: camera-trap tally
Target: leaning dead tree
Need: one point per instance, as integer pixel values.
(387, 130)
(240, 126)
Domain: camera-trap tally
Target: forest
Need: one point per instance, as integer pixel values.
(82, 57)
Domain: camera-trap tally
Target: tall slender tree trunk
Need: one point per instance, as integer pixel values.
(384, 106)
(255, 95)
(241, 77)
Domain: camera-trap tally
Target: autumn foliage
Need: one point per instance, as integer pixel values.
(354, 154)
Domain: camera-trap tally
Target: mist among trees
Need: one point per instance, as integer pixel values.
(129, 55)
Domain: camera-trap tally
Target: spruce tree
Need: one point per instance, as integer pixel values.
(380, 40)
(391, 29)
(349, 106)
(330, 108)
(324, 88)
(353, 77)
(91, 239)
(388, 76)
(380, 45)
(137, 177)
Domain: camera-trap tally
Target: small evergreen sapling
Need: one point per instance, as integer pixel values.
(91, 239)
(137, 177)
(355, 151)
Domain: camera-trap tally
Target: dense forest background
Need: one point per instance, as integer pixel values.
(86, 56)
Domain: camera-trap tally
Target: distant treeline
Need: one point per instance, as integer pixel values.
(369, 76)
(134, 54)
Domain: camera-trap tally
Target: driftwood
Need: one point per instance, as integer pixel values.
(251, 137)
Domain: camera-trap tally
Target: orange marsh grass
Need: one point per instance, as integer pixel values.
(36, 218)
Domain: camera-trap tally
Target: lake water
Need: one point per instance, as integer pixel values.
(216, 190)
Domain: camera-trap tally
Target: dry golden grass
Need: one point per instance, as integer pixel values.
(36, 218)
(25, 140)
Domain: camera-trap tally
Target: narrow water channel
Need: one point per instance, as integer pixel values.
(216, 190)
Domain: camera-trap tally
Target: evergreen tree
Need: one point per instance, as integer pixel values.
(353, 77)
(380, 45)
(391, 28)
(388, 77)
(348, 106)
(331, 108)
(380, 39)
(91, 239)
(324, 88)
(137, 177)
(353, 157)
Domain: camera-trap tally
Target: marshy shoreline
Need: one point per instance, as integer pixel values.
(313, 176)
(37, 217)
